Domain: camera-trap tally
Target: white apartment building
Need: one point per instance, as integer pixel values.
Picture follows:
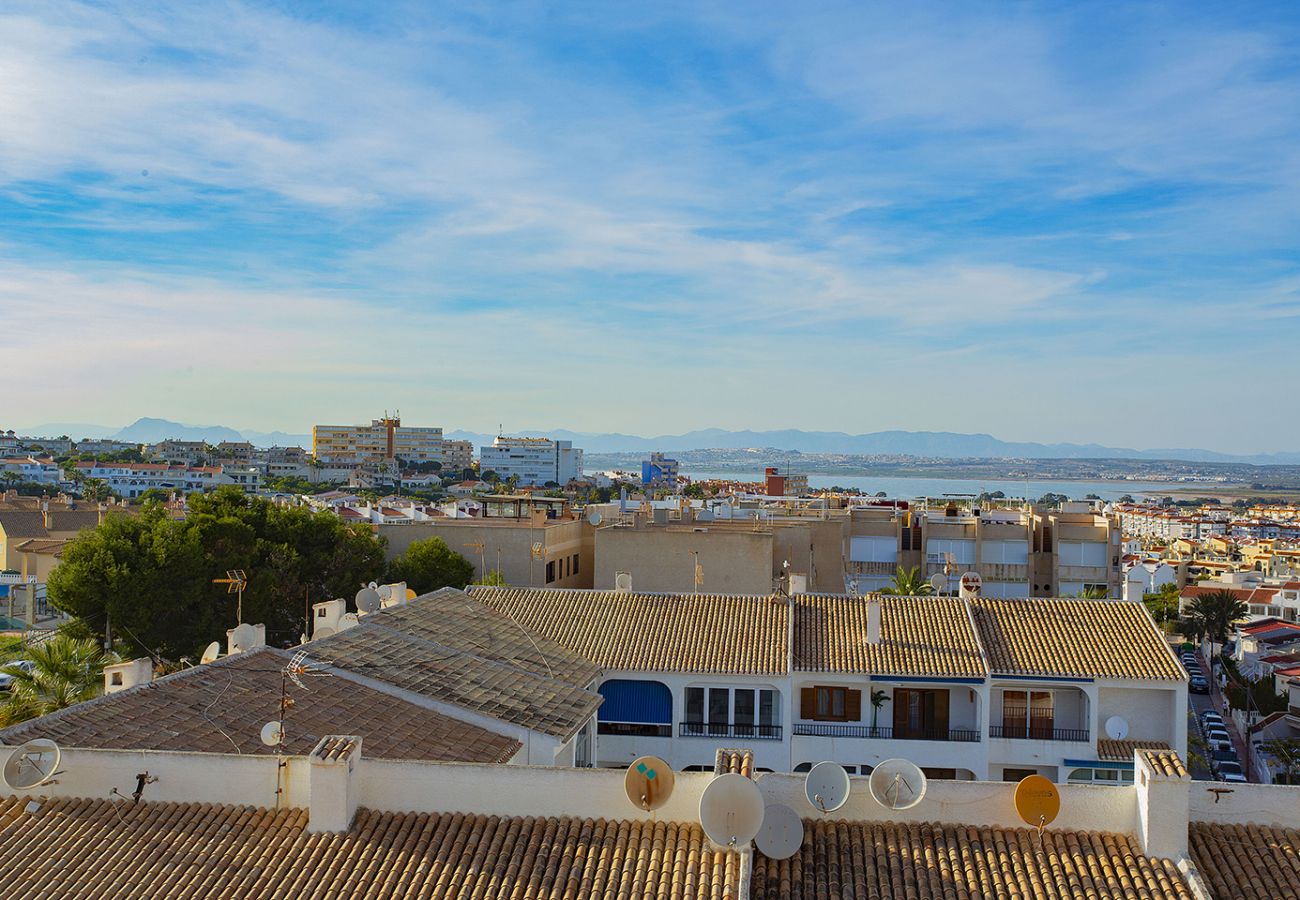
(33, 469)
(383, 439)
(979, 689)
(532, 460)
(130, 480)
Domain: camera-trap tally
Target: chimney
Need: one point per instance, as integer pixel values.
(798, 583)
(873, 622)
(1163, 799)
(332, 783)
(127, 674)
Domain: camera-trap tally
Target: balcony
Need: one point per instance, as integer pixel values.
(820, 729)
(1038, 733)
(724, 730)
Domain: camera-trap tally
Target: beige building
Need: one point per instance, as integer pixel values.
(682, 557)
(382, 439)
(457, 455)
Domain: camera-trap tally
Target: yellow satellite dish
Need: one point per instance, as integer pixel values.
(1038, 802)
(410, 594)
(649, 783)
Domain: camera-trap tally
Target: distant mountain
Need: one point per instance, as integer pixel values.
(74, 430)
(277, 439)
(151, 431)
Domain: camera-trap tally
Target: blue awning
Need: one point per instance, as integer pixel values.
(641, 702)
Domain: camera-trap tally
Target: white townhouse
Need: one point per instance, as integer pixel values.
(979, 689)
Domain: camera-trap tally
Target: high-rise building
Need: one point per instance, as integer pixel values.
(457, 455)
(532, 460)
(381, 440)
(659, 470)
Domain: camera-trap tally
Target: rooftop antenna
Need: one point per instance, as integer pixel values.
(782, 833)
(1038, 802)
(897, 784)
(731, 810)
(235, 582)
(827, 786)
(33, 764)
(649, 783)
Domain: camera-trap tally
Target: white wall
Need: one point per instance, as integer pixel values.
(1263, 804)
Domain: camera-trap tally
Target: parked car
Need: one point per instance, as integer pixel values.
(1198, 685)
(7, 680)
(1231, 771)
(1219, 740)
(1211, 717)
(1217, 757)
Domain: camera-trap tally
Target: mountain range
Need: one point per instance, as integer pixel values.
(940, 444)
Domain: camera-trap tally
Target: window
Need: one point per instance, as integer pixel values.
(962, 550)
(1007, 552)
(575, 564)
(550, 571)
(1028, 714)
(1017, 774)
(830, 704)
(742, 712)
(873, 549)
(1081, 553)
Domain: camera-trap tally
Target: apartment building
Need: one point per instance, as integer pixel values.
(31, 469)
(532, 460)
(130, 480)
(105, 445)
(186, 453)
(1017, 553)
(457, 456)
(787, 484)
(381, 440)
(659, 471)
(967, 689)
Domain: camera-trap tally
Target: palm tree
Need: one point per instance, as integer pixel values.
(878, 699)
(65, 671)
(1215, 613)
(909, 584)
(1093, 592)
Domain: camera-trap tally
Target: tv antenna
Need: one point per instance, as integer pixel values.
(731, 810)
(301, 667)
(33, 764)
(897, 784)
(649, 783)
(235, 582)
(827, 786)
(782, 833)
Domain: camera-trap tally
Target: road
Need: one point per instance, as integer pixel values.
(1213, 700)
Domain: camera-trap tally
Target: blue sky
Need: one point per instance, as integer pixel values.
(1048, 222)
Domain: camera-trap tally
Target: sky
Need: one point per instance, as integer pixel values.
(1047, 222)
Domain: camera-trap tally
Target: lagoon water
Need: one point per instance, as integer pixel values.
(907, 488)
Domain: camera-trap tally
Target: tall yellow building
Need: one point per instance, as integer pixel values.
(382, 439)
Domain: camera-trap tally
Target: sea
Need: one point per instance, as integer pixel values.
(907, 488)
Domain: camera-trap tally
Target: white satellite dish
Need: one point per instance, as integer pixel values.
(244, 637)
(731, 810)
(385, 591)
(622, 581)
(897, 784)
(323, 631)
(1117, 728)
(211, 654)
(595, 518)
(32, 764)
(272, 734)
(782, 833)
(368, 599)
(827, 786)
(939, 582)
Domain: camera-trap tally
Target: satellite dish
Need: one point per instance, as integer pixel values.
(939, 582)
(971, 584)
(649, 783)
(782, 833)
(211, 654)
(897, 784)
(1117, 728)
(368, 599)
(242, 638)
(32, 764)
(622, 582)
(827, 786)
(323, 632)
(385, 591)
(410, 594)
(595, 518)
(1038, 802)
(731, 810)
(272, 734)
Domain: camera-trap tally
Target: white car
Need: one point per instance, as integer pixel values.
(7, 680)
(1231, 771)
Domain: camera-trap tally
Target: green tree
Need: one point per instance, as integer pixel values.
(1093, 592)
(909, 584)
(878, 699)
(1287, 753)
(65, 671)
(495, 579)
(1216, 612)
(428, 565)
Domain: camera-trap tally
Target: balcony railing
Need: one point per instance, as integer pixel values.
(821, 729)
(1038, 733)
(724, 730)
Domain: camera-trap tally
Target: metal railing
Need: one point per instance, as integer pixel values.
(821, 729)
(1038, 733)
(722, 729)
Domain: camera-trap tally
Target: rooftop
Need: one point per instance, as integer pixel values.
(1247, 862)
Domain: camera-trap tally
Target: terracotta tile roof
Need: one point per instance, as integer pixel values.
(1246, 862)
(1122, 751)
(221, 707)
(740, 762)
(453, 649)
(335, 747)
(99, 848)
(919, 636)
(705, 633)
(842, 859)
(1073, 638)
(1165, 762)
(23, 523)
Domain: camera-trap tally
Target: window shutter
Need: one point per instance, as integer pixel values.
(853, 706)
(808, 702)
